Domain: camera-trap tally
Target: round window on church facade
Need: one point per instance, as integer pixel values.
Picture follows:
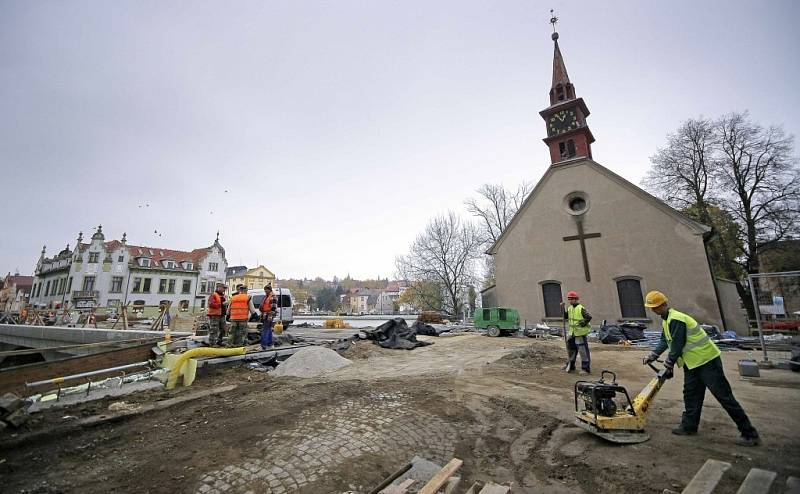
(576, 203)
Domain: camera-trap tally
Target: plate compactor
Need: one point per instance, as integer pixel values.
(608, 410)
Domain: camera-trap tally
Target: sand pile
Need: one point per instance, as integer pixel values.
(311, 362)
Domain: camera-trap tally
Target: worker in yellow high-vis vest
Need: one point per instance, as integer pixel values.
(691, 348)
(577, 334)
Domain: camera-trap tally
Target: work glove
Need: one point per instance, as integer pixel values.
(669, 367)
(583, 323)
(651, 357)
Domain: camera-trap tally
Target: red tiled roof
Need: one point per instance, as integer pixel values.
(158, 253)
(20, 281)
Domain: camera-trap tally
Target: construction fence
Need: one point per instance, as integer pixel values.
(776, 302)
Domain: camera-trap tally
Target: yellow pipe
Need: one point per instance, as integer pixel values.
(200, 352)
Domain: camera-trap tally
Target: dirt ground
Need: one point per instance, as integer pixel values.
(500, 404)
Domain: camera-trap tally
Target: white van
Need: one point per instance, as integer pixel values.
(283, 303)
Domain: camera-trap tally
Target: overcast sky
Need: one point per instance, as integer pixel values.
(339, 128)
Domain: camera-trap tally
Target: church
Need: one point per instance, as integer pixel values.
(585, 228)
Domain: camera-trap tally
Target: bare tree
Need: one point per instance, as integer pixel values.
(681, 171)
(760, 183)
(683, 175)
(496, 207)
(445, 255)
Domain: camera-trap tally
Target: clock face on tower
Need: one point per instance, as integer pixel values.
(563, 121)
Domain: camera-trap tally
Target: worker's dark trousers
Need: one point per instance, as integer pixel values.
(575, 345)
(710, 375)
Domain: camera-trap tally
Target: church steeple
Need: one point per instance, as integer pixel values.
(568, 135)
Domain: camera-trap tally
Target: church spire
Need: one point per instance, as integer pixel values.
(561, 89)
(568, 135)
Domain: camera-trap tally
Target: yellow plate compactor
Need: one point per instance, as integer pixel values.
(608, 411)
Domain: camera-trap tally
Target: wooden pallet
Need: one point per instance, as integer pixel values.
(758, 481)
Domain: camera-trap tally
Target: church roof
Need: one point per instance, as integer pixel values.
(559, 68)
(658, 203)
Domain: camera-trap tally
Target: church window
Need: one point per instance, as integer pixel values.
(566, 149)
(551, 293)
(577, 204)
(560, 92)
(631, 303)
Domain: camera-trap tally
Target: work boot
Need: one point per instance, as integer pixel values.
(568, 368)
(748, 441)
(680, 431)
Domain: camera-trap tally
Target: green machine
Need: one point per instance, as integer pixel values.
(497, 320)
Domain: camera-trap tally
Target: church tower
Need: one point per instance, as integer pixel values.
(568, 135)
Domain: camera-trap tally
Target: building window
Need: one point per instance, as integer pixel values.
(145, 263)
(146, 285)
(69, 284)
(93, 257)
(551, 293)
(61, 284)
(213, 266)
(169, 264)
(88, 283)
(138, 306)
(137, 285)
(55, 288)
(202, 303)
(187, 286)
(183, 305)
(566, 149)
(121, 258)
(171, 286)
(47, 289)
(631, 303)
(39, 290)
(116, 284)
(162, 285)
(560, 92)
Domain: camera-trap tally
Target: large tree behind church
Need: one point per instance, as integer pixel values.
(495, 207)
(444, 256)
(738, 177)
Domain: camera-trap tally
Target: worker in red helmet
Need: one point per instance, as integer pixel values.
(578, 319)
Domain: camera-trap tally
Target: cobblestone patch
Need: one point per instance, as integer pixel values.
(325, 438)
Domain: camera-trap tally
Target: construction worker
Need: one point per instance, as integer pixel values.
(267, 316)
(577, 318)
(691, 348)
(240, 308)
(216, 316)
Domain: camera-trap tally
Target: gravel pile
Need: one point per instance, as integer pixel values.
(311, 362)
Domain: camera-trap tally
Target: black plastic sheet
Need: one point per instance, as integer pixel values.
(395, 333)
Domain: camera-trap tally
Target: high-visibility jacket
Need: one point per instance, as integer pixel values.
(266, 305)
(699, 349)
(574, 317)
(239, 307)
(215, 304)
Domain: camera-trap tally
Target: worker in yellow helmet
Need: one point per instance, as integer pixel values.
(691, 348)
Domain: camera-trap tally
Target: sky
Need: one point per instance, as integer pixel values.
(320, 137)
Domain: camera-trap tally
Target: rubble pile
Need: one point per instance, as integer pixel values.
(12, 411)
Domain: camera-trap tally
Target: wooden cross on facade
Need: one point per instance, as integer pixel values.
(582, 236)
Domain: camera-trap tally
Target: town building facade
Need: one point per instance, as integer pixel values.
(15, 292)
(112, 273)
(251, 278)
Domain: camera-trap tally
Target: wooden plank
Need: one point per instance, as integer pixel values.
(757, 482)
(707, 478)
(792, 485)
(388, 480)
(13, 379)
(441, 477)
(492, 488)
